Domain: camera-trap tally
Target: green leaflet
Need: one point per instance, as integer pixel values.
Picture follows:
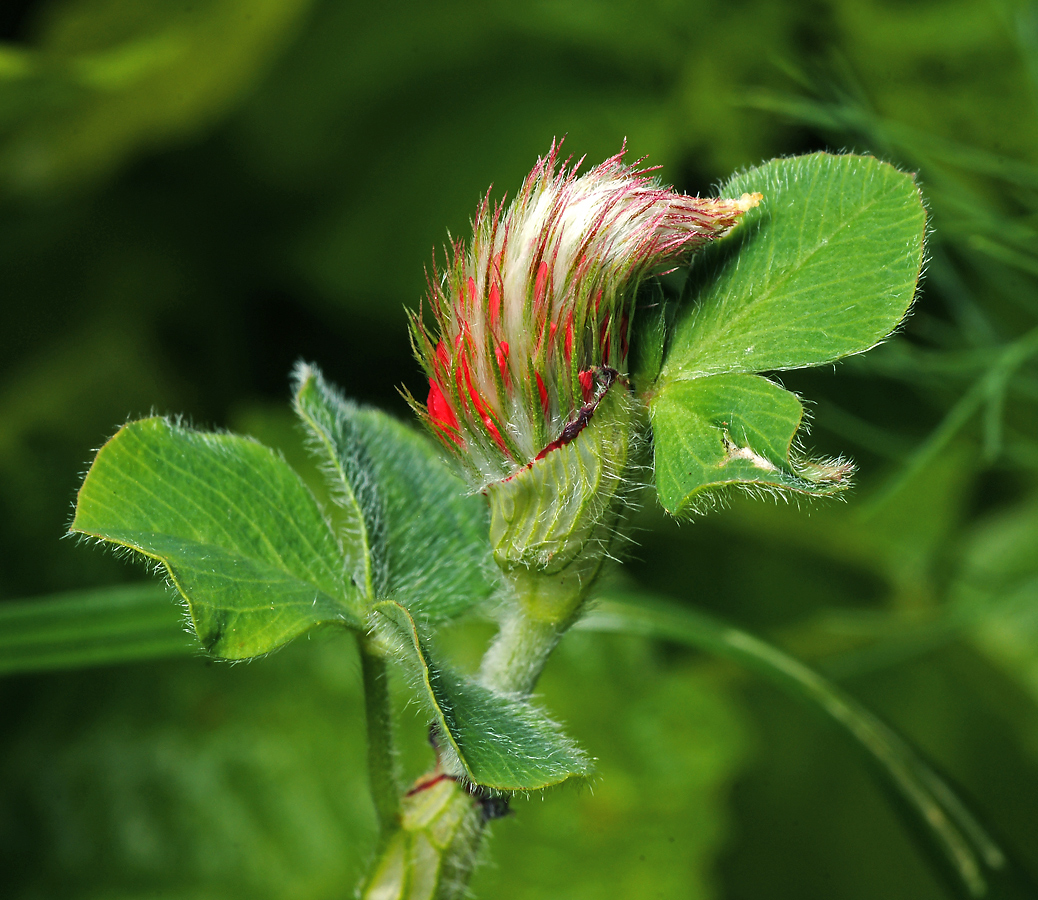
(412, 532)
(490, 739)
(726, 430)
(247, 545)
(826, 266)
(240, 535)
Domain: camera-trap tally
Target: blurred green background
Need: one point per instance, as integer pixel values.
(194, 194)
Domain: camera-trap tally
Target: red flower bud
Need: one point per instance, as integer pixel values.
(541, 299)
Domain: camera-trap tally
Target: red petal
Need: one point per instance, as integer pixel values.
(502, 360)
(441, 413)
(442, 359)
(488, 423)
(543, 392)
(568, 341)
(463, 379)
(540, 284)
(469, 390)
(587, 383)
(495, 305)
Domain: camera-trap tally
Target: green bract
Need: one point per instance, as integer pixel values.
(563, 508)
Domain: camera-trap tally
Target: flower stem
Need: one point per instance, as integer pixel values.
(382, 775)
(430, 840)
(516, 658)
(546, 605)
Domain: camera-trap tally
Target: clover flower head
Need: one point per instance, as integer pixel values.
(533, 315)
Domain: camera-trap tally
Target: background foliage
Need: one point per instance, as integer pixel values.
(195, 195)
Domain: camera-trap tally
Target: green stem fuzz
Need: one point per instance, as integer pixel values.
(382, 772)
(430, 849)
(546, 605)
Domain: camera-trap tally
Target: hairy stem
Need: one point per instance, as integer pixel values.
(382, 776)
(431, 839)
(516, 658)
(546, 606)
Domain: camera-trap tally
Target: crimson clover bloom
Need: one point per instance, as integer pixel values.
(533, 316)
(533, 320)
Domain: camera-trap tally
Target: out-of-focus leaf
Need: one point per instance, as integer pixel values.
(728, 430)
(492, 740)
(996, 592)
(597, 72)
(826, 266)
(56, 404)
(91, 628)
(425, 537)
(961, 846)
(108, 77)
(185, 779)
(241, 536)
(990, 388)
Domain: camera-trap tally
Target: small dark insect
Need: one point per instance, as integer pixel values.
(603, 379)
(492, 806)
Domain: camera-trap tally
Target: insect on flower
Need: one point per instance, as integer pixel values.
(533, 316)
